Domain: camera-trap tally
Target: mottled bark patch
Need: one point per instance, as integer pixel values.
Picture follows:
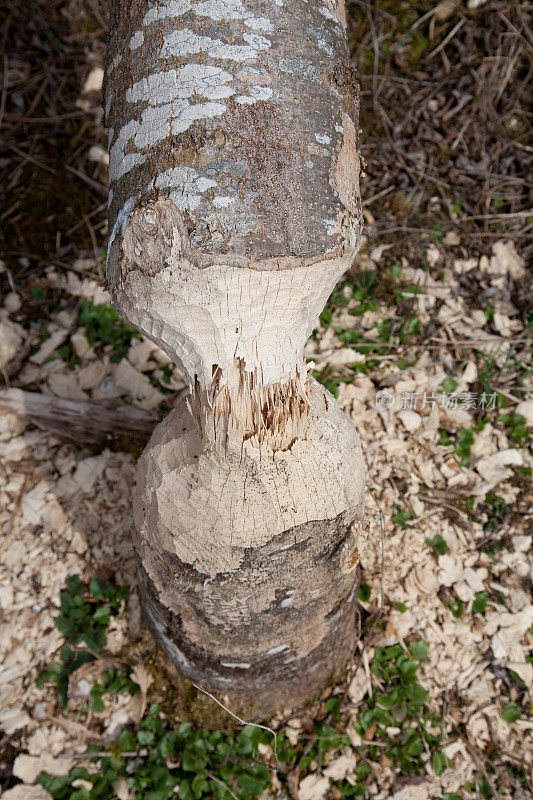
(265, 658)
(154, 230)
(251, 89)
(345, 174)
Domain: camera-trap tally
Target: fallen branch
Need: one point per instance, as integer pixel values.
(100, 423)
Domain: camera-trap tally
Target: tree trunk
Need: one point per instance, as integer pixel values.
(234, 210)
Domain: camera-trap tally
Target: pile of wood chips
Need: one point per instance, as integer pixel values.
(66, 509)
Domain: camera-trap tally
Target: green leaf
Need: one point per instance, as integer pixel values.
(464, 441)
(244, 745)
(419, 649)
(146, 738)
(95, 640)
(102, 614)
(386, 701)
(417, 694)
(484, 788)
(199, 785)
(415, 744)
(363, 770)
(338, 299)
(511, 712)
(325, 317)
(253, 785)
(190, 761)
(70, 631)
(438, 544)
(333, 705)
(54, 672)
(184, 730)
(479, 604)
(103, 325)
(185, 792)
(75, 586)
(439, 763)
(366, 719)
(55, 785)
(449, 385)
(160, 794)
(126, 741)
(363, 593)
(97, 704)
(444, 438)
(401, 517)
(407, 668)
(457, 609)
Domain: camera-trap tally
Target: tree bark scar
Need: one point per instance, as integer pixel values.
(193, 613)
(154, 229)
(238, 334)
(233, 146)
(251, 589)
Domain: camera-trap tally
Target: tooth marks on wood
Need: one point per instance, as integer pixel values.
(234, 210)
(249, 494)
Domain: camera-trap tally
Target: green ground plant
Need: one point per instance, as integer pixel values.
(158, 764)
(402, 517)
(397, 719)
(438, 544)
(158, 760)
(518, 432)
(86, 610)
(104, 326)
(463, 441)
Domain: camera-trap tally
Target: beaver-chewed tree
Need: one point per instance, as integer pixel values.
(234, 209)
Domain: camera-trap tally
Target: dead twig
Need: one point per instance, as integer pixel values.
(98, 187)
(447, 38)
(239, 719)
(81, 420)
(221, 783)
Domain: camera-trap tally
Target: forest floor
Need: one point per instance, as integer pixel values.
(427, 345)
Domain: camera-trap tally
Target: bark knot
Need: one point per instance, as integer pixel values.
(154, 230)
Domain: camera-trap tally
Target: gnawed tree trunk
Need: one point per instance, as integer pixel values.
(234, 209)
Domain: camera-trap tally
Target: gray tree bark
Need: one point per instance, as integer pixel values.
(234, 209)
(105, 424)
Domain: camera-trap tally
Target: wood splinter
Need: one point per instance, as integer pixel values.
(234, 210)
